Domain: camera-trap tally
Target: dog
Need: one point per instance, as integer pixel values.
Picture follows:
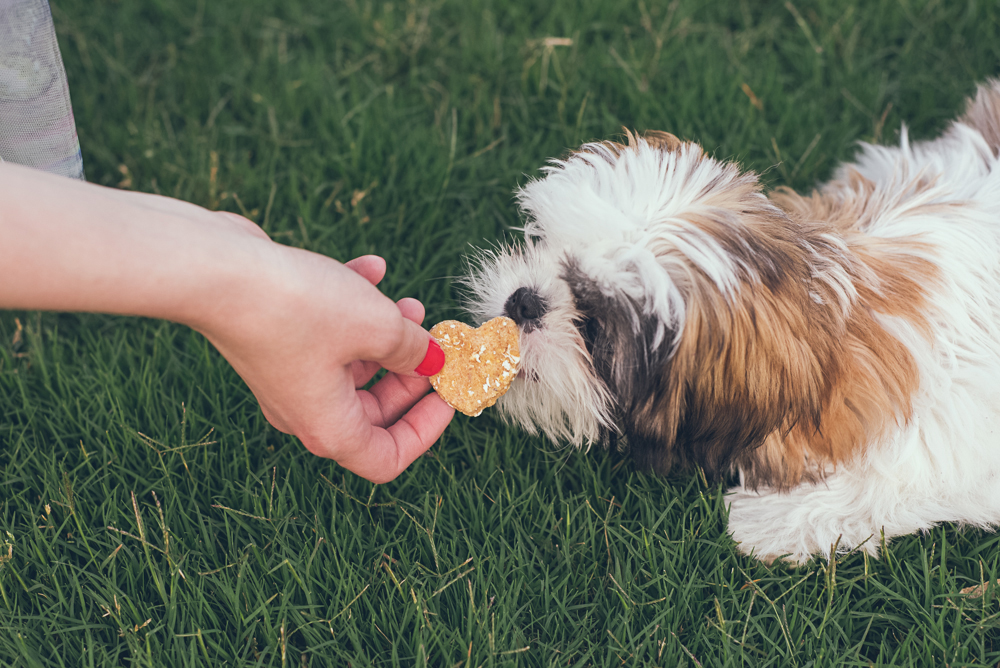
(837, 354)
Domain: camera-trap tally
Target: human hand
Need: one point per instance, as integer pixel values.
(317, 332)
(295, 325)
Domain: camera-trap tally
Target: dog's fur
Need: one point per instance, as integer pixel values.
(840, 351)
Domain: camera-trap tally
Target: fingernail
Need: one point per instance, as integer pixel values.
(433, 360)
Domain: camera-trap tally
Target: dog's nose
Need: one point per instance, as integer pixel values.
(525, 307)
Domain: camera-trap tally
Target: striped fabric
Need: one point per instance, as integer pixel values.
(36, 119)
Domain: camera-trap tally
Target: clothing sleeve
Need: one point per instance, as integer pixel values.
(36, 119)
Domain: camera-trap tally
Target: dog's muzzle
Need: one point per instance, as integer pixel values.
(526, 308)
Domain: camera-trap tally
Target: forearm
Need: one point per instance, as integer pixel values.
(72, 246)
(295, 325)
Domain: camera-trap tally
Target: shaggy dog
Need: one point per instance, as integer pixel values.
(839, 352)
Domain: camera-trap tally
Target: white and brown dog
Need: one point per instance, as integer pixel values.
(840, 351)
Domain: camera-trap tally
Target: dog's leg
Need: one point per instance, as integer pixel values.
(842, 513)
(942, 468)
(811, 519)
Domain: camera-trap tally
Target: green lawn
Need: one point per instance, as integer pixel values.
(149, 516)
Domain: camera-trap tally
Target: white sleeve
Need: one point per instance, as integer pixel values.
(36, 119)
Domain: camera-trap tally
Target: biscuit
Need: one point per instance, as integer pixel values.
(479, 364)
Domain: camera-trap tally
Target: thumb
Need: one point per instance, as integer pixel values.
(413, 352)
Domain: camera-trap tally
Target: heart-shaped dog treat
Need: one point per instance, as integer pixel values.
(479, 364)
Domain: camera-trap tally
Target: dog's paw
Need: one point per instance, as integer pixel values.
(790, 527)
(760, 534)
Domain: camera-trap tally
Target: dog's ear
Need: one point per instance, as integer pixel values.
(620, 339)
(684, 404)
(718, 396)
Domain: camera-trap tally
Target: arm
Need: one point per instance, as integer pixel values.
(295, 325)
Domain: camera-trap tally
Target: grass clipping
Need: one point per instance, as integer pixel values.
(479, 364)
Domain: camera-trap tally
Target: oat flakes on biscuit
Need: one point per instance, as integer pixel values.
(479, 363)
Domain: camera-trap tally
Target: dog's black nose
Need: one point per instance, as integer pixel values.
(525, 307)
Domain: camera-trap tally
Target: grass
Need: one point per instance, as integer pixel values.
(150, 517)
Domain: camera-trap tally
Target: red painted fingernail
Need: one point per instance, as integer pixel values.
(433, 360)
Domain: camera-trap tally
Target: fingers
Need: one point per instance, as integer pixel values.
(397, 345)
(372, 267)
(395, 422)
(391, 397)
(389, 451)
(411, 309)
(363, 372)
(404, 347)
